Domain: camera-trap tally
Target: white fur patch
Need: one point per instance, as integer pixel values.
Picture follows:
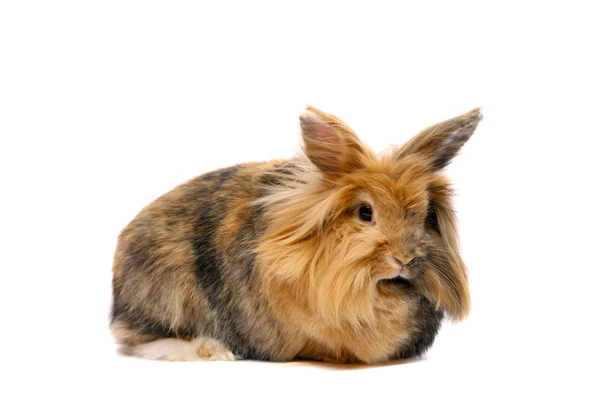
(199, 349)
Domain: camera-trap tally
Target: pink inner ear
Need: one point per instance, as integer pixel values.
(327, 145)
(325, 133)
(317, 129)
(323, 143)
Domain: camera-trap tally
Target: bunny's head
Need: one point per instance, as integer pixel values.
(345, 223)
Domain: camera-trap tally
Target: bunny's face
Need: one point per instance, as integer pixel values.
(390, 214)
(359, 222)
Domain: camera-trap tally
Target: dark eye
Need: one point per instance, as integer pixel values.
(365, 213)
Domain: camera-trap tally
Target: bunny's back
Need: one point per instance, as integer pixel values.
(184, 267)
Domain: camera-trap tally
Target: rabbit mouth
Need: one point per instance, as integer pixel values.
(399, 280)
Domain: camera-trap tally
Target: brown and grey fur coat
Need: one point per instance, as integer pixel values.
(341, 255)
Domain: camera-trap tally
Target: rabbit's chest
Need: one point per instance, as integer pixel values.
(376, 341)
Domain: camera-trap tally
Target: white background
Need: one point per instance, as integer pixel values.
(106, 105)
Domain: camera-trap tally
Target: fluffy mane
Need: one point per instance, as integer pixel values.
(310, 261)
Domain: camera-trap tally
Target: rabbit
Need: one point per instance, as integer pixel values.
(337, 255)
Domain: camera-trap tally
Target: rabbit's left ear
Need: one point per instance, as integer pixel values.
(330, 144)
(440, 143)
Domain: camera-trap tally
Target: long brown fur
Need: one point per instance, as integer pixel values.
(299, 275)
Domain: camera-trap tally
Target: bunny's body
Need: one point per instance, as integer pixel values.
(342, 256)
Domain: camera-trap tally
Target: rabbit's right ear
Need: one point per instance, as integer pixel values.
(330, 144)
(439, 143)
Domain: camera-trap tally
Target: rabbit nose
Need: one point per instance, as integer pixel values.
(399, 263)
(402, 264)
